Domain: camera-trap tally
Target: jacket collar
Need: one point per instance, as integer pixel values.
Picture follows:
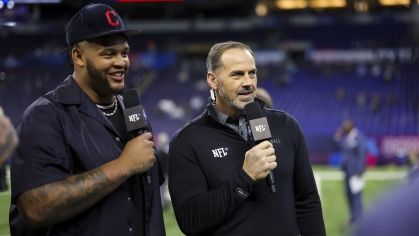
(69, 93)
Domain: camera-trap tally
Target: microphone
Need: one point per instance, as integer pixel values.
(135, 118)
(259, 132)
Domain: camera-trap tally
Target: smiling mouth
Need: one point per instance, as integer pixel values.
(118, 76)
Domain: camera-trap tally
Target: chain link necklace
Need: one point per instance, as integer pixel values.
(113, 104)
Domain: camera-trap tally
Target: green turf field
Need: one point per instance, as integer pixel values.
(335, 208)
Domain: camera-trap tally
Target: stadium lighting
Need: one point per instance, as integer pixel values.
(361, 6)
(1, 5)
(291, 4)
(261, 9)
(394, 2)
(327, 3)
(10, 4)
(10, 24)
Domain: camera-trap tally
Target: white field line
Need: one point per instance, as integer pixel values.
(372, 175)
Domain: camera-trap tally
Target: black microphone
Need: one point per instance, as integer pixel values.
(259, 132)
(135, 118)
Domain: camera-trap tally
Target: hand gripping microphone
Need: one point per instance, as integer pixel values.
(260, 132)
(135, 118)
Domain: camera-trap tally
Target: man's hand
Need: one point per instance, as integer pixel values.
(139, 154)
(8, 137)
(260, 160)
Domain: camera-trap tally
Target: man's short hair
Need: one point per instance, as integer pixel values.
(214, 55)
(69, 56)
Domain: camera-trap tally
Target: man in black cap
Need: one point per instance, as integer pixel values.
(76, 171)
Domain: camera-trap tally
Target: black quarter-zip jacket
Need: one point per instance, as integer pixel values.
(213, 195)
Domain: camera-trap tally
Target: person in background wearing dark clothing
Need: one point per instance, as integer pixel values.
(8, 143)
(217, 180)
(8, 137)
(76, 171)
(352, 144)
(413, 165)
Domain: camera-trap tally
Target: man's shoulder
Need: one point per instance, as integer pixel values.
(274, 112)
(39, 108)
(50, 103)
(190, 127)
(279, 114)
(44, 108)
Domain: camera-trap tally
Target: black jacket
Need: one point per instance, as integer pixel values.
(64, 133)
(212, 195)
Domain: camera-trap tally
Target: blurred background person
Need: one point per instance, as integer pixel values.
(162, 149)
(412, 161)
(352, 144)
(265, 96)
(8, 142)
(8, 137)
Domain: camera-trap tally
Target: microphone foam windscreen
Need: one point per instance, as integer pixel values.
(131, 98)
(253, 111)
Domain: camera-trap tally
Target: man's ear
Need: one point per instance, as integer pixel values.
(78, 57)
(212, 80)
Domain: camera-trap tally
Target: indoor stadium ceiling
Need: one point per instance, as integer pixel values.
(206, 9)
(207, 15)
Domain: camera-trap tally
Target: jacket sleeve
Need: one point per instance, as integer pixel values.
(199, 210)
(307, 201)
(41, 157)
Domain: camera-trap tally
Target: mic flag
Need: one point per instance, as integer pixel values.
(134, 114)
(260, 132)
(260, 129)
(258, 123)
(135, 118)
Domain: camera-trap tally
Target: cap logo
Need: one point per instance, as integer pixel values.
(108, 16)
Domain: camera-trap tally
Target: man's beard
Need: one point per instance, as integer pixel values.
(234, 102)
(103, 82)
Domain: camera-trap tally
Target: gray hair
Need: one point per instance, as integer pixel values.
(214, 55)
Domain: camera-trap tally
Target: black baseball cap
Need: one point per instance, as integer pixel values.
(94, 21)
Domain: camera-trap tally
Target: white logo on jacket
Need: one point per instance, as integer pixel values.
(220, 152)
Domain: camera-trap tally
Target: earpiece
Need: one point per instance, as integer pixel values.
(212, 92)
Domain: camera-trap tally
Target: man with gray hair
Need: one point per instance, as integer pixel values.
(215, 169)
